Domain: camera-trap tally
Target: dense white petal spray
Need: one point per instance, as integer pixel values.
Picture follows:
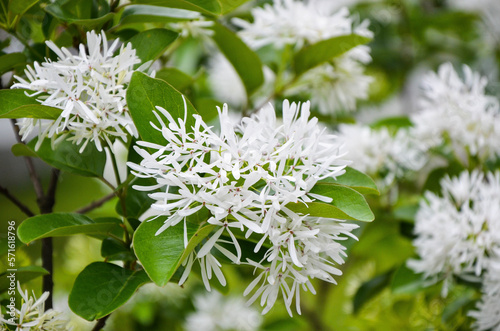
(90, 89)
(246, 176)
(338, 84)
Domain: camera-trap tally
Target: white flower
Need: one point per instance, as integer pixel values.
(297, 23)
(198, 28)
(378, 153)
(458, 232)
(333, 87)
(472, 122)
(246, 176)
(214, 312)
(487, 314)
(89, 88)
(32, 315)
(224, 81)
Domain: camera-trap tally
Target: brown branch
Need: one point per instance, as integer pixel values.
(16, 201)
(100, 323)
(96, 204)
(29, 164)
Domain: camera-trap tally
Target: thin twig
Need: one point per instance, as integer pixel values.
(96, 204)
(29, 164)
(16, 201)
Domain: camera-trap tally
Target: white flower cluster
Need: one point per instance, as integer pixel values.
(460, 111)
(89, 88)
(487, 314)
(214, 312)
(378, 153)
(247, 176)
(336, 85)
(32, 315)
(458, 233)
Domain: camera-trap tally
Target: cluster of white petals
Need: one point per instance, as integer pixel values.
(487, 314)
(379, 153)
(338, 84)
(249, 177)
(215, 312)
(459, 110)
(458, 233)
(89, 88)
(33, 317)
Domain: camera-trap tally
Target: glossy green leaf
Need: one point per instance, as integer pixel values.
(230, 5)
(11, 61)
(80, 12)
(178, 79)
(144, 94)
(16, 104)
(150, 44)
(149, 14)
(407, 281)
(368, 290)
(67, 157)
(325, 50)
(103, 287)
(115, 250)
(346, 204)
(59, 225)
(209, 7)
(354, 179)
(22, 275)
(162, 254)
(246, 63)
(208, 108)
(19, 7)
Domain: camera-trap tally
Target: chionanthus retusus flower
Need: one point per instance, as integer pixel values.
(33, 316)
(90, 89)
(246, 176)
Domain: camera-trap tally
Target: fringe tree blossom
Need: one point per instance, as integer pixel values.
(89, 88)
(337, 84)
(487, 314)
(459, 232)
(32, 315)
(215, 312)
(246, 176)
(378, 152)
(472, 122)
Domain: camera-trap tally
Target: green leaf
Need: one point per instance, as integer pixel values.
(162, 254)
(144, 94)
(246, 63)
(16, 104)
(60, 224)
(230, 5)
(19, 7)
(81, 12)
(393, 122)
(11, 61)
(115, 250)
(208, 108)
(406, 281)
(370, 289)
(103, 287)
(22, 150)
(209, 7)
(354, 179)
(178, 79)
(150, 44)
(67, 157)
(23, 275)
(325, 50)
(149, 14)
(136, 202)
(346, 204)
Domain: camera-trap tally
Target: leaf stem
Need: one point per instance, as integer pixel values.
(101, 322)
